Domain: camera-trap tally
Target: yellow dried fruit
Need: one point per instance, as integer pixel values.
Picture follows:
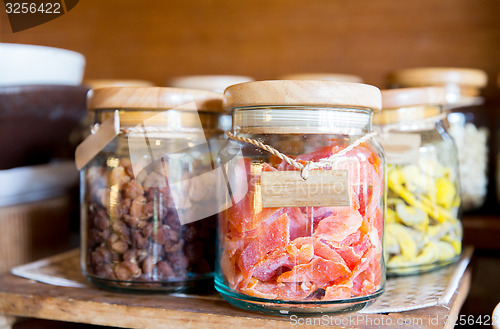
(446, 192)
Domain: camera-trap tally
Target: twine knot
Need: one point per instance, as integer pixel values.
(304, 172)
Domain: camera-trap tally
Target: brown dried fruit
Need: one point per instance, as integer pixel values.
(138, 236)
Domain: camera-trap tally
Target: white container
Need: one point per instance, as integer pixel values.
(217, 83)
(34, 65)
(323, 77)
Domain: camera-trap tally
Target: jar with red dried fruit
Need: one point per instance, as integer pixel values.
(302, 229)
(148, 188)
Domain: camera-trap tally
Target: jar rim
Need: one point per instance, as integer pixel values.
(300, 120)
(409, 97)
(168, 119)
(403, 115)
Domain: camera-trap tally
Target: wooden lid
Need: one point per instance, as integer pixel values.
(406, 97)
(153, 98)
(410, 105)
(322, 76)
(297, 92)
(217, 83)
(432, 76)
(103, 83)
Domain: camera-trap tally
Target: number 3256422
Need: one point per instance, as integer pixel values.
(32, 8)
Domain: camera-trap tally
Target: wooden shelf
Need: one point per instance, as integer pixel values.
(27, 298)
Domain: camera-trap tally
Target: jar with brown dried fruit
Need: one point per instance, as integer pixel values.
(148, 188)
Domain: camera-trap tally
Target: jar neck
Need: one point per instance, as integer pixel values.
(301, 120)
(161, 120)
(462, 96)
(412, 118)
(457, 96)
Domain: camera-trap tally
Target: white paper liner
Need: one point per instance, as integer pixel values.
(408, 293)
(401, 294)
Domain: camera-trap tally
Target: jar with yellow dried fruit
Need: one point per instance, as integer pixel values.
(147, 195)
(423, 227)
(467, 122)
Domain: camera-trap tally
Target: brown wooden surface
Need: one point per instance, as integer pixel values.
(22, 297)
(156, 40)
(482, 231)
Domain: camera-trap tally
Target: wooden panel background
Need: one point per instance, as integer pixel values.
(155, 40)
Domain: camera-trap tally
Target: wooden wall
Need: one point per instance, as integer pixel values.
(157, 39)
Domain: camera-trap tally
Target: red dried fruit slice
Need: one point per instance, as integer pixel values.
(300, 225)
(302, 254)
(318, 248)
(339, 290)
(348, 241)
(317, 213)
(374, 271)
(275, 235)
(260, 289)
(299, 242)
(371, 156)
(318, 270)
(280, 291)
(248, 213)
(321, 153)
(364, 262)
(337, 227)
(352, 254)
(294, 291)
(248, 259)
(235, 245)
(324, 251)
(267, 269)
(270, 238)
(229, 269)
(362, 287)
(267, 167)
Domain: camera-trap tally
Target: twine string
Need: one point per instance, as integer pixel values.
(304, 169)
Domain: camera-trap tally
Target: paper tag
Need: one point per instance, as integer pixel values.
(94, 143)
(323, 188)
(400, 148)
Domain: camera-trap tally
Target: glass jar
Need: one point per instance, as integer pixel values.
(302, 228)
(148, 216)
(423, 227)
(467, 122)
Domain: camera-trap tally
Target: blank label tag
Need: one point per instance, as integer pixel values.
(400, 148)
(323, 188)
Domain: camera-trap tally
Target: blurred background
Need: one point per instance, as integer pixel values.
(156, 41)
